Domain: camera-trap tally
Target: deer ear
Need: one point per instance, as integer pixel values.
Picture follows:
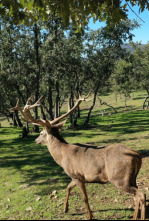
(60, 125)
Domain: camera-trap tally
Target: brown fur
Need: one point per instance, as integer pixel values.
(90, 164)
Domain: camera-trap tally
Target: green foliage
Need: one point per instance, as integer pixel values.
(67, 61)
(123, 77)
(141, 66)
(17, 62)
(71, 11)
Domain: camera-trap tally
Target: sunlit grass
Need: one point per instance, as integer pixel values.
(29, 175)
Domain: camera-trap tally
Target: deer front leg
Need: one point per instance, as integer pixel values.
(85, 198)
(69, 188)
(136, 212)
(143, 207)
(140, 199)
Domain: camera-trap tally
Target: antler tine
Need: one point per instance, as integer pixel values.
(17, 107)
(18, 103)
(27, 115)
(37, 104)
(88, 95)
(29, 100)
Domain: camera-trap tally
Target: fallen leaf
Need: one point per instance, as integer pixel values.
(29, 209)
(130, 207)
(24, 186)
(38, 198)
(54, 193)
(116, 201)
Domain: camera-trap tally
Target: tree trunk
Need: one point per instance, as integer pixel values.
(49, 109)
(144, 103)
(70, 105)
(51, 105)
(79, 112)
(92, 107)
(57, 105)
(73, 116)
(125, 102)
(104, 103)
(14, 119)
(24, 132)
(36, 128)
(42, 113)
(18, 119)
(27, 127)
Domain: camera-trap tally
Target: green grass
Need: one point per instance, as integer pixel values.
(28, 174)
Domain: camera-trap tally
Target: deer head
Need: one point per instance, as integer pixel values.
(49, 131)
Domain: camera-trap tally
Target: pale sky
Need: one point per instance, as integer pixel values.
(141, 34)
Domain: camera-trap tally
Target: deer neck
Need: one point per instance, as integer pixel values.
(55, 145)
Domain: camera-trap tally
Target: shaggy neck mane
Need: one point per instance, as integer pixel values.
(55, 133)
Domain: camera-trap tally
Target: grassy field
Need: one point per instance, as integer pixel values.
(33, 187)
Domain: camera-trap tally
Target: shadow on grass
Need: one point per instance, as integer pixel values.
(105, 211)
(145, 153)
(121, 123)
(116, 210)
(147, 210)
(34, 162)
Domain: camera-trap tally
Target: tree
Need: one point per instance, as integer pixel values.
(141, 68)
(78, 12)
(100, 65)
(52, 61)
(18, 62)
(104, 50)
(53, 69)
(123, 77)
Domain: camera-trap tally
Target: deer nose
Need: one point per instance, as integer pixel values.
(37, 141)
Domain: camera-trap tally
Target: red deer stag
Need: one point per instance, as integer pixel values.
(89, 164)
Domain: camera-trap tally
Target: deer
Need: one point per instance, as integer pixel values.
(85, 163)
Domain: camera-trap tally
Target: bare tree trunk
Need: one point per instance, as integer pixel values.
(27, 127)
(79, 112)
(93, 105)
(25, 132)
(125, 102)
(36, 128)
(104, 103)
(18, 119)
(12, 115)
(42, 113)
(71, 104)
(144, 103)
(74, 115)
(57, 105)
(49, 110)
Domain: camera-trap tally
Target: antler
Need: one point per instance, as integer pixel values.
(26, 112)
(78, 102)
(44, 123)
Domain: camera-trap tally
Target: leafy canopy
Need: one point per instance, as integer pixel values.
(77, 12)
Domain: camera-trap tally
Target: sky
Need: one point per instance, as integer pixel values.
(141, 34)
